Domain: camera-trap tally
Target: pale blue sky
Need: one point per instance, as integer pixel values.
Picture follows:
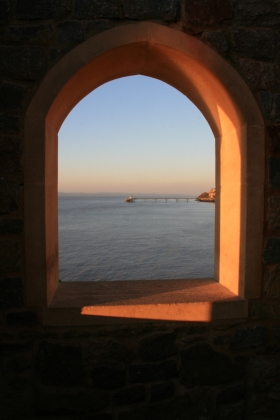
(136, 135)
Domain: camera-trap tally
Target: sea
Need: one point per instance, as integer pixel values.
(103, 238)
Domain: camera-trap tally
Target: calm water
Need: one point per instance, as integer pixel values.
(104, 238)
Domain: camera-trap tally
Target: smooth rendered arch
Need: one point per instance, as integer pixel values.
(211, 84)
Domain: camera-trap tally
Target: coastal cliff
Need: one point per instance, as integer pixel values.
(208, 196)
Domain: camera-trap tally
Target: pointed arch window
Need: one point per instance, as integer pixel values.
(230, 109)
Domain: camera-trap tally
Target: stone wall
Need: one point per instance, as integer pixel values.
(223, 370)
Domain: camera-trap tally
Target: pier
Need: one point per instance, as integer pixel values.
(164, 198)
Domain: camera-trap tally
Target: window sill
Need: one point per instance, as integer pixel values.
(88, 303)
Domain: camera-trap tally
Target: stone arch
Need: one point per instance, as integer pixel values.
(211, 84)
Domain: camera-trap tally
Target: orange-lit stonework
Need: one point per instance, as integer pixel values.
(227, 104)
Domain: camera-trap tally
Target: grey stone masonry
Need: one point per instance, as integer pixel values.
(119, 370)
(272, 251)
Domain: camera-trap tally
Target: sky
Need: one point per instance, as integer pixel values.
(136, 135)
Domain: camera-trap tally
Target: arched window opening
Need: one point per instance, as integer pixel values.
(139, 136)
(226, 102)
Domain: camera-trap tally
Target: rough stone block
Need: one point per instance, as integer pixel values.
(35, 334)
(108, 377)
(19, 382)
(202, 403)
(9, 123)
(58, 52)
(162, 391)
(110, 352)
(249, 337)
(13, 226)
(11, 95)
(22, 62)
(274, 393)
(16, 401)
(260, 406)
(150, 412)
(15, 347)
(62, 8)
(103, 416)
(192, 331)
(9, 145)
(210, 12)
(218, 39)
(81, 401)
(265, 309)
(130, 395)
(3, 32)
(276, 331)
(76, 333)
(266, 99)
(274, 171)
(222, 340)
(9, 190)
(255, 43)
(59, 365)
(272, 283)
(39, 33)
(257, 12)
(9, 256)
(274, 137)
(143, 9)
(203, 366)
(11, 292)
(262, 75)
(88, 9)
(236, 411)
(16, 364)
(158, 372)
(21, 319)
(264, 373)
(171, 10)
(4, 9)
(232, 394)
(69, 32)
(180, 408)
(97, 25)
(10, 154)
(157, 347)
(33, 9)
(167, 10)
(140, 413)
(271, 253)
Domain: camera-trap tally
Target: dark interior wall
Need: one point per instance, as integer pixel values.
(223, 370)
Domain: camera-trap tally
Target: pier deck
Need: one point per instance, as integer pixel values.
(164, 198)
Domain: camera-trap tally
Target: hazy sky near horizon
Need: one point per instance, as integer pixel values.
(136, 135)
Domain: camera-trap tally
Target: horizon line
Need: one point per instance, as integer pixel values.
(124, 193)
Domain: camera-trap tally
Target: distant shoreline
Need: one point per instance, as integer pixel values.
(63, 194)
